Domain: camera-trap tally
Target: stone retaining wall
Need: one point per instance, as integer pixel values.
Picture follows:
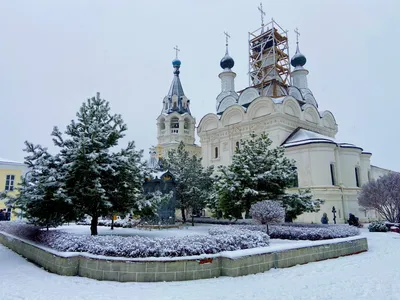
(181, 268)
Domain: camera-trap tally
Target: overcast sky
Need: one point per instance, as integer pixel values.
(56, 54)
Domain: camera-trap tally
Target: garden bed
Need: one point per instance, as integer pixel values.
(214, 241)
(137, 243)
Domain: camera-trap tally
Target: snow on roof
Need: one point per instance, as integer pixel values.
(302, 136)
(7, 161)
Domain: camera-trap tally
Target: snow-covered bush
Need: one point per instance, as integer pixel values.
(377, 226)
(268, 211)
(311, 232)
(20, 229)
(226, 238)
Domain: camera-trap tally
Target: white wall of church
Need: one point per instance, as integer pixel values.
(313, 160)
(377, 172)
(313, 163)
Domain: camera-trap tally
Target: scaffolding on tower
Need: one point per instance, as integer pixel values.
(269, 60)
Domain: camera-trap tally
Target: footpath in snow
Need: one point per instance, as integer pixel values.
(371, 275)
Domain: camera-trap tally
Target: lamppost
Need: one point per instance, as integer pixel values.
(334, 214)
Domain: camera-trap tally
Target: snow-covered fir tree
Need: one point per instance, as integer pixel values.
(259, 172)
(128, 173)
(97, 181)
(41, 197)
(193, 182)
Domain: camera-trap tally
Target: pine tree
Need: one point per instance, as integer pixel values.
(89, 167)
(259, 172)
(129, 174)
(193, 182)
(41, 197)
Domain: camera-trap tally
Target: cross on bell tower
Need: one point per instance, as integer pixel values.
(176, 51)
(260, 8)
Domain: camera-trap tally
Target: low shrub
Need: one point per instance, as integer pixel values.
(218, 240)
(312, 232)
(377, 226)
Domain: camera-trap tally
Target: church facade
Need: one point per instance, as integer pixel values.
(279, 102)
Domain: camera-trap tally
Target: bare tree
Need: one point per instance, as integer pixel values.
(383, 195)
(268, 211)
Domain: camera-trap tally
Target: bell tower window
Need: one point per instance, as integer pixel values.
(216, 152)
(174, 125)
(186, 124)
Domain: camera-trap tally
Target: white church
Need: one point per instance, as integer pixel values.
(279, 102)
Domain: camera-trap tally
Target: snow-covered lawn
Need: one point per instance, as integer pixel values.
(170, 232)
(371, 275)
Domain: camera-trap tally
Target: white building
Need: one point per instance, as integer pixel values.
(279, 102)
(176, 124)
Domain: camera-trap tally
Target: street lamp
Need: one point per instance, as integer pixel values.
(334, 214)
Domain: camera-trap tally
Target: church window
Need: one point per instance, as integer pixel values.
(294, 181)
(237, 146)
(333, 174)
(357, 174)
(216, 152)
(162, 125)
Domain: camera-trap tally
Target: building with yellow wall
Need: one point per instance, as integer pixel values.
(10, 176)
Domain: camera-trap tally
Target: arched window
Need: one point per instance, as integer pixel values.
(333, 174)
(357, 173)
(294, 181)
(237, 146)
(162, 124)
(175, 122)
(216, 152)
(186, 124)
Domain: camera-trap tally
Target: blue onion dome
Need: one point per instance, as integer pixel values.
(227, 62)
(176, 63)
(298, 59)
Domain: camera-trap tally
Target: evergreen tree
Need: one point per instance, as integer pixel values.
(259, 172)
(193, 182)
(97, 181)
(129, 174)
(41, 197)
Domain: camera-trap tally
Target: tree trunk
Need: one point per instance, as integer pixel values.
(183, 215)
(112, 222)
(192, 219)
(93, 226)
(267, 229)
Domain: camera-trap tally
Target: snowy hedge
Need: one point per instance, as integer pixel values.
(218, 240)
(310, 232)
(378, 226)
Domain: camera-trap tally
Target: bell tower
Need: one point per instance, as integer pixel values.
(269, 62)
(176, 124)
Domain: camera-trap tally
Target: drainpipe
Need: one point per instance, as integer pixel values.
(339, 179)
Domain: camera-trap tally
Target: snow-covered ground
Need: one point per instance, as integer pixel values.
(170, 232)
(371, 275)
